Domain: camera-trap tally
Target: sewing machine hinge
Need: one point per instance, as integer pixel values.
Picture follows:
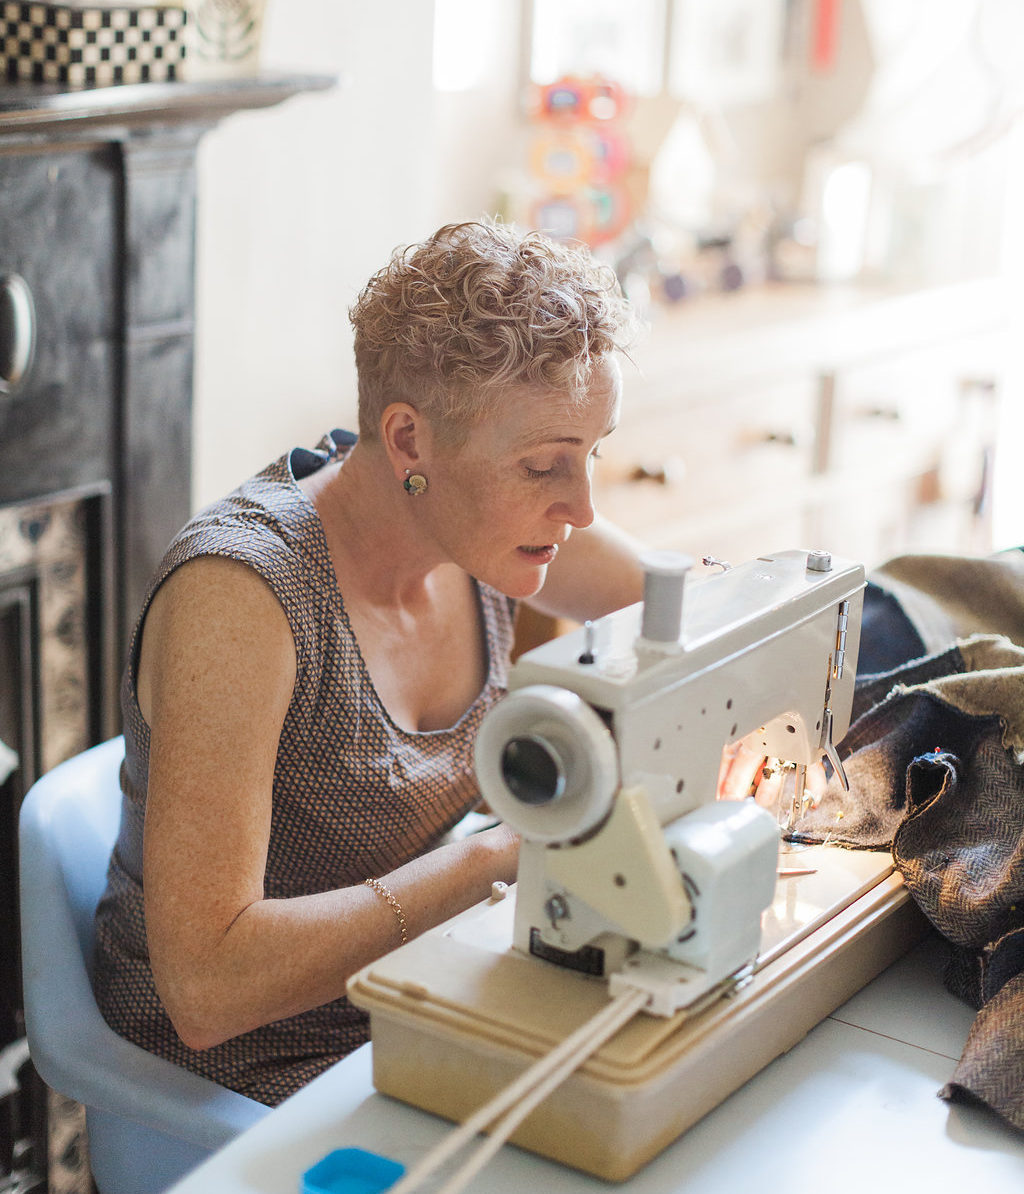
(835, 673)
(842, 622)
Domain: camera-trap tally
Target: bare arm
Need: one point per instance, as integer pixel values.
(216, 676)
(596, 571)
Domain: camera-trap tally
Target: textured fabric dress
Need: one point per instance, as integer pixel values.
(354, 795)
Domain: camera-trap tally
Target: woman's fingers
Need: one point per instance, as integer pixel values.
(816, 784)
(746, 771)
(768, 783)
(740, 766)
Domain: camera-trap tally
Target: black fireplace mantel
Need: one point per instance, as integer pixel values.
(49, 110)
(97, 229)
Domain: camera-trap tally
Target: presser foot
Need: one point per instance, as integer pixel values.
(673, 986)
(792, 809)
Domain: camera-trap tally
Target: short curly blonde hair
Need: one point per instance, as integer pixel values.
(476, 309)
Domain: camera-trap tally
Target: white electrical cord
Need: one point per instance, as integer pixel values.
(520, 1097)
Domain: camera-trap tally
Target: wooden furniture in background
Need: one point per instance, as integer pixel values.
(858, 421)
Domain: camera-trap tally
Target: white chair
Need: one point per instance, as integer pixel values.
(148, 1120)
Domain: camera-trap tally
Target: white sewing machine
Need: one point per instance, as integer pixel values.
(605, 757)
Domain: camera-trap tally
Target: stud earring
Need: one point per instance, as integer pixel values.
(415, 483)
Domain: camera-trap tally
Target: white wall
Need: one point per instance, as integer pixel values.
(298, 205)
(478, 133)
(1008, 497)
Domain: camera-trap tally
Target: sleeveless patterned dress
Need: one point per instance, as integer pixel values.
(354, 795)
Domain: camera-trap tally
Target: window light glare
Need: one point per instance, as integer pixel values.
(460, 32)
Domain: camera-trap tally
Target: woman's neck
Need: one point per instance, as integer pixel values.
(378, 553)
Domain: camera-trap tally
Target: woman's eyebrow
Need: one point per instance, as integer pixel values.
(542, 440)
(576, 440)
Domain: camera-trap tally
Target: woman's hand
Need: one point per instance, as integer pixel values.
(745, 771)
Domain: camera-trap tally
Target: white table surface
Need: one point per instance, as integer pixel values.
(853, 1107)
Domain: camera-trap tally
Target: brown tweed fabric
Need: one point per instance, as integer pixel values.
(991, 1067)
(354, 795)
(935, 759)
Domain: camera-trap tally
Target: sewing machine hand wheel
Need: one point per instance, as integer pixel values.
(547, 763)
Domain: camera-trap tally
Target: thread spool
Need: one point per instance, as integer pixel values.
(664, 580)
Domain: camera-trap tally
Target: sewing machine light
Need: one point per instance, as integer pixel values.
(547, 763)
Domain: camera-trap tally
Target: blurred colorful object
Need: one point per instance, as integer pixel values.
(825, 38)
(578, 158)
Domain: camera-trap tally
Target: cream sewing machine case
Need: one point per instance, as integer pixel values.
(632, 876)
(457, 1014)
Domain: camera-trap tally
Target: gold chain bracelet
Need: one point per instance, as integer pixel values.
(389, 898)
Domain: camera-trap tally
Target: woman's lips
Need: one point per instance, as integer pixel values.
(540, 555)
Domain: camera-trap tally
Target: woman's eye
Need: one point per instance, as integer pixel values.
(559, 466)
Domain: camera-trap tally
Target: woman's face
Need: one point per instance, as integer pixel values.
(509, 496)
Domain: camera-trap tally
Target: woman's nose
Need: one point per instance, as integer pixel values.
(576, 507)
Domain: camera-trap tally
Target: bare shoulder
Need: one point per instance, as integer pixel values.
(213, 587)
(215, 630)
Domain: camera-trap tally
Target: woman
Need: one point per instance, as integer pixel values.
(317, 652)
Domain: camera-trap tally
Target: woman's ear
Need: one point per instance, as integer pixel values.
(404, 434)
